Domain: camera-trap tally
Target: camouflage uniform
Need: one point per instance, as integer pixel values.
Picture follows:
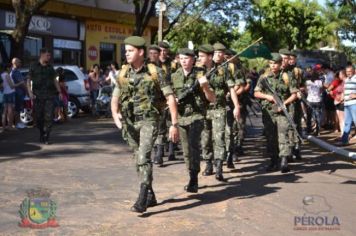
(276, 124)
(140, 95)
(213, 137)
(297, 75)
(191, 113)
(231, 130)
(45, 90)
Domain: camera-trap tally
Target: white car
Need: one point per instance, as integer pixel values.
(79, 95)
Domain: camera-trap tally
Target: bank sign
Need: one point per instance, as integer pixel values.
(38, 23)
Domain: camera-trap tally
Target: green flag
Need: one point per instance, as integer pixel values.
(259, 50)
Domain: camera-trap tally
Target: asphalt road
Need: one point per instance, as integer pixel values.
(90, 173)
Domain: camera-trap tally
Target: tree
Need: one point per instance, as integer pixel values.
(144, 10)
(345, 13)
(202, 20)
(283, 23)
(24, 10)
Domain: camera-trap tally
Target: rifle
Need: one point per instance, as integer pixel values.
(281, 105)
(190, 90)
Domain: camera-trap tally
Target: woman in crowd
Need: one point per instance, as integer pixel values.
(336, 90)
(9, 98)
(94, 83)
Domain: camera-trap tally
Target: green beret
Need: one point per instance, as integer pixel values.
(276, 57)
(186, 51)
(154, 47)
(284, 51)
(163, 44)
(219, 47)
(206, 48)
(293, 53)
(135, 41)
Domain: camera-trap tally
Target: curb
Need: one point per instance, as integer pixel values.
(351, 156)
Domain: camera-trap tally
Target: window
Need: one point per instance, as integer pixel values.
(69, 75)
(5, 46)
(32, 48)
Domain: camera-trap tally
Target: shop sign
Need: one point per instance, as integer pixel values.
(92, 53)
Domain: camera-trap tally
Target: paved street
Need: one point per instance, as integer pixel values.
(90, 173)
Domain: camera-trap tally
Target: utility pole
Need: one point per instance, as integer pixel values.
(162, 8)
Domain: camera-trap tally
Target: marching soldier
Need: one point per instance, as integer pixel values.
(296, 74)
(222, 82)
(193, 93)
(276, 123)
(232, 125)
(137, 104)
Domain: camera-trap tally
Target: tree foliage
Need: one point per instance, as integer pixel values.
(283, 23)
(24, 10)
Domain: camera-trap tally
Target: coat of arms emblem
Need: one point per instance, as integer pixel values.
(37, 210)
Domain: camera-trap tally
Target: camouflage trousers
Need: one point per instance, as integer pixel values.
(276, 130)
(141, 136)
(190, 136)
(297, 114)
(162, 129)
(231, 131)
(241, 125)
(213, 135)
(44, 112)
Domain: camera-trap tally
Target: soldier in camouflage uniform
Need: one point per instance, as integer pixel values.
(296, 74)
(139, 104)
(232, 125)
(44, 89)
(168, 67)
(222, 82)
(191, 110)
(276, 124)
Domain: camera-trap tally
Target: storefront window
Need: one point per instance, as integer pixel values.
(5, 46)
(107, 54)
(32, 48)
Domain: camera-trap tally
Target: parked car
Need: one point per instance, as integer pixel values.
(78, 90)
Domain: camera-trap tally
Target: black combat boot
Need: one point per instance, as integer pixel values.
(141, 203)
(171, 155)
(192, 186)
(46, 138)
(208, 168)
(219, 172)
(151, 198)
(273, 166)
(229, 161)
(239, 150)
(284, 165)
(158, 159)
(296, 153)
(42, 138)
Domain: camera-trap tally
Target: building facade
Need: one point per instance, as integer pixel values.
(82, 33)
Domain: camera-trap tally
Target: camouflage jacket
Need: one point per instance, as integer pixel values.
(281, 83)
(43, 77)
(194, 106)
(221, 80)
(141, 93)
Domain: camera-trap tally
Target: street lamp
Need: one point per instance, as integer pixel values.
(162, 8)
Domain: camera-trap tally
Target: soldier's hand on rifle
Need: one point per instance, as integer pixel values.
(270, 98)
(117, 120)
(203, 81)
(174, 133)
